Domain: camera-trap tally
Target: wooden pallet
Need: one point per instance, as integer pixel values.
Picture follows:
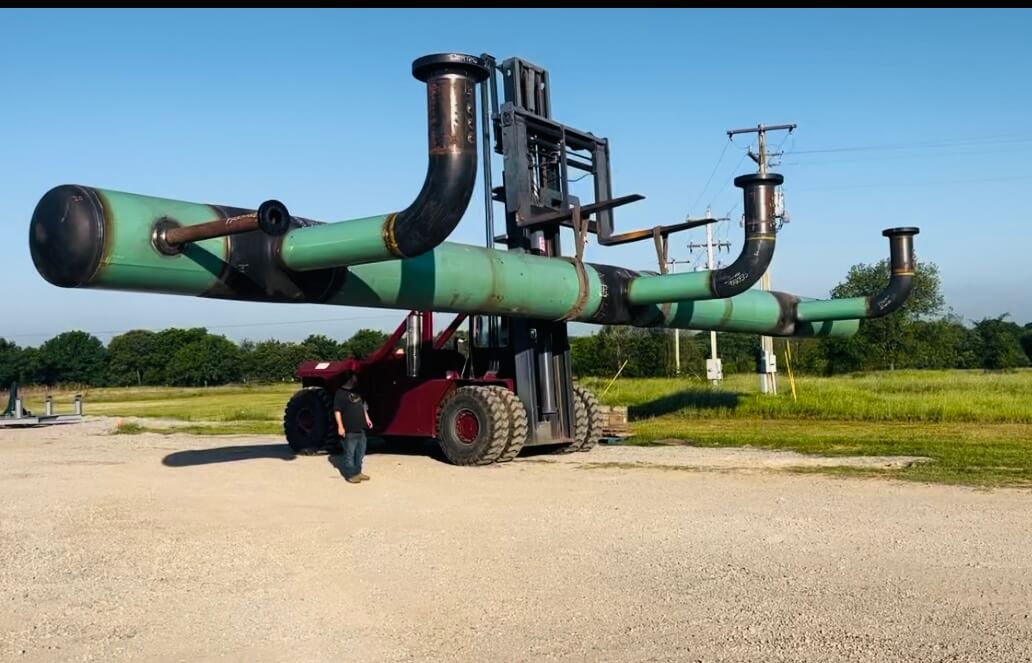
(614, 421)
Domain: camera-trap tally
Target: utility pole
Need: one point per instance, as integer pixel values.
(714, 370)
(768, 363)
(677, 332)
(665, 265)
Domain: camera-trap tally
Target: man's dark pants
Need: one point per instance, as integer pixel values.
(354, 452)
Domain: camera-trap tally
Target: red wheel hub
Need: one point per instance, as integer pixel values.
(467, 426)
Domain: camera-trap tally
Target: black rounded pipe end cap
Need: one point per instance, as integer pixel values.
(431, 65)
(66, 235)
(896, 232)
(753, 179)
(273, 218)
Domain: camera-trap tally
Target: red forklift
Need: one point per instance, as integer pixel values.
(513, 387)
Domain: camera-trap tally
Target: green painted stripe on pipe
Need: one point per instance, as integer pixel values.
(833, 309)
(131, 262)
(670, 288)
(827, 329)
(754, 311)
(335, 244)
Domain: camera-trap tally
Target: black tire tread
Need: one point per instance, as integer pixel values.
(518, 427)
(580, 425)
(499, 415)
(594, 420)
(296, 443)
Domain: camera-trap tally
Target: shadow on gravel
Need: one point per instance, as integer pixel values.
(228, 454)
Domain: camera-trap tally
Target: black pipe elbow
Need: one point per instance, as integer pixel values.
(901, 270)
(451, 80)
(758, 250)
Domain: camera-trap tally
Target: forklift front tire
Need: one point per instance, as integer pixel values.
(473, 426)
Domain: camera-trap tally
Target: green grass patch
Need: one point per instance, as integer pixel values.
(130, 428)
(961, 453)
(234, 428)
(924, 396)
(222, 404)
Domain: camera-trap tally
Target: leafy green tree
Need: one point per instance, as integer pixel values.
(273, 361)
(12, 364)
(884, 342)
(209, 361)
(132, 356)
(73, 357)
(323, 348)
(1000, 344)
(941, 344)
(168, 343)
(1026, 341)
(364, 342)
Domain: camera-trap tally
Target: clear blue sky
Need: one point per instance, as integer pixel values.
(318, 109)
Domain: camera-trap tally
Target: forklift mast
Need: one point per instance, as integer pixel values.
(538, 154)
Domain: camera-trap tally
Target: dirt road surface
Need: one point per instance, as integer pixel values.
(180, 548)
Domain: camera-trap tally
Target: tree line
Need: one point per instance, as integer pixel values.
(922, 334)
(171, 357)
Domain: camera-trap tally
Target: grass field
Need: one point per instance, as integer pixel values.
(977, 427)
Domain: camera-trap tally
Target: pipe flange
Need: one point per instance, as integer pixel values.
(428, 66)
(273, 218)
(161, 245)
(897, 232)
(754, 179)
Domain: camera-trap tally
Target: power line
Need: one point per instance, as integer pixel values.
(902, 157)
(710, 178)
(910, 184)
(728, 181)
(988, 140)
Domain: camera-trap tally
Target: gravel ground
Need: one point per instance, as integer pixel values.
(180, 548)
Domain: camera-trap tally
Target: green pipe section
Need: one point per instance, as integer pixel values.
(85, 237)
(335, 244)
(130, 256)
(547, 288)
(827, 329)
(833, 309)
(753, 311)
(460, 278)
(670, 288)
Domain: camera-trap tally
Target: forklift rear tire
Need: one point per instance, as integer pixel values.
(580, 425)
(587, 419)
(594, 421)
(473, 426)
(308, 421)
(517, 424)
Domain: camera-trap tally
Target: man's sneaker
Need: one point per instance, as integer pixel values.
(362, 477)
(355, 479)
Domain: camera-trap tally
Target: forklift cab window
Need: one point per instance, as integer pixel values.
(482, 338)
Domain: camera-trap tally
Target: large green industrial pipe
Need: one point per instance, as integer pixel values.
(88, 237)
(114, 238)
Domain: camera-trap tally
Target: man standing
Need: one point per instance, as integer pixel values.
(352, 420)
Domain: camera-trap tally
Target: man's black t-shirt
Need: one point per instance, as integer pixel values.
(352, 410)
